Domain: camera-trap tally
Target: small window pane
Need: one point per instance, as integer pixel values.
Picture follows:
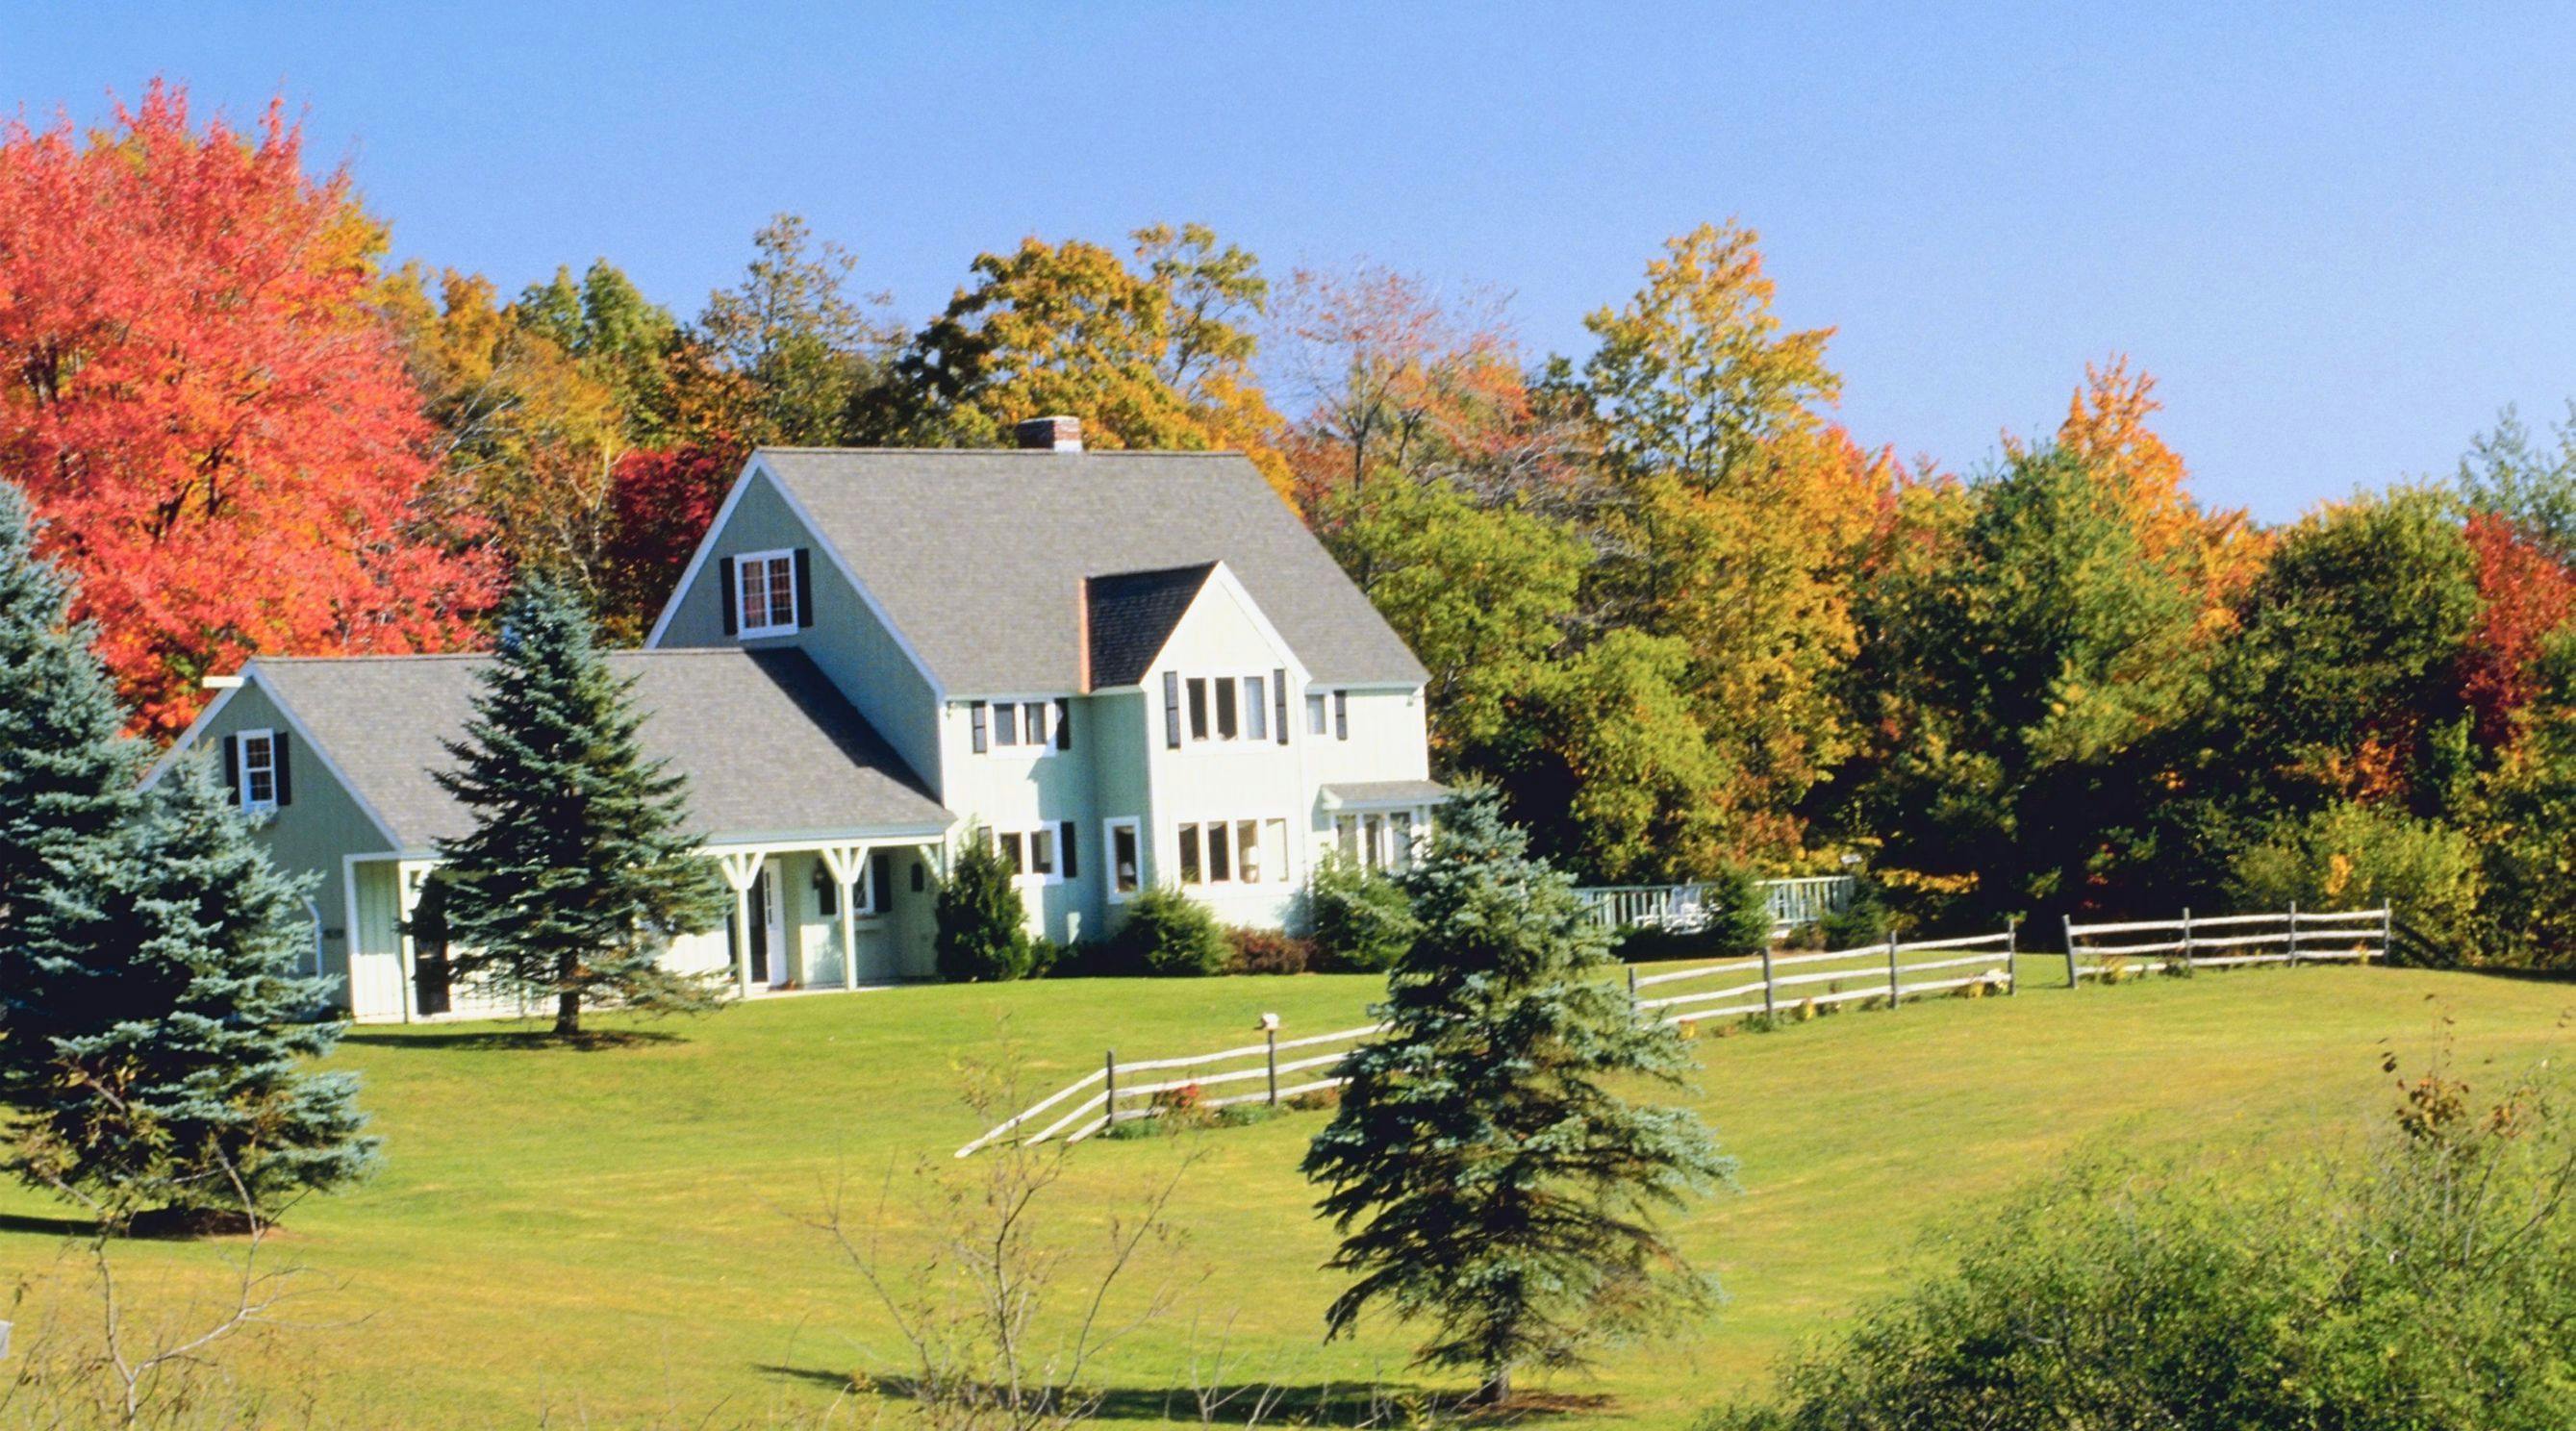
(1220, 867)
(259, 770)
(782, 591)
(1198, 708)
(1006, 724)
(827, 892)
(1247, 848)
(1189, 854)
(1318, 720)
(1346, 835)
(1256, 709)
(1400, 826)
(1373, 838)
(1013, 855)
(1042, 852)
(1276, 837)
(1122, 857)
(755, 596)
(1033, 719)
(1225, 710)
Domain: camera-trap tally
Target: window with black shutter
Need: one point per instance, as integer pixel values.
(975, 719)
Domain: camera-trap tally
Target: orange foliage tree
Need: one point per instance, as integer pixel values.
(205, 408)
(2525, 595)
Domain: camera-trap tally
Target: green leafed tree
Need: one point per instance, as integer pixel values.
(1487, 1177)
(581, 867)
(795, 334)
(982, 928)
(178, 1084)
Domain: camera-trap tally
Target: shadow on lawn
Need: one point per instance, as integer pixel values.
(530, 1040)
(1342, 1404)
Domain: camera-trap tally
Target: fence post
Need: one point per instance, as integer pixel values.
(2294, 933)
(2012, 949)
(1109, 1079)
(2387, 929)
(2073, 980)
(1770, 1006)
(1632, 993)
(1895, 986)
(1271, 1036)
(2186, 936)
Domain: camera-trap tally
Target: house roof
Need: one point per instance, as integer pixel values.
(978, 556)
(1132, 617)
(769, 746)
(1365, 794)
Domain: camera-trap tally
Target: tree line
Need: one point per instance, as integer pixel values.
(1671, 608)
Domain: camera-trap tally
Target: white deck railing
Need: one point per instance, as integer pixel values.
(1686, 908)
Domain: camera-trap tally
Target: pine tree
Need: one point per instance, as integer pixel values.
(184, 1094)
(1484, 1177)
(982, 926)
(67, 785)
(580, 868)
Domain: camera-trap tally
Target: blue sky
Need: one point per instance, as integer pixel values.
(2342, 238)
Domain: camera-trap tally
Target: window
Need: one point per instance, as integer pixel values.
(1379, 841)
(1006, 724)
(1198, 708)
(1232, 851)
(827, 892)
(257, 777)
(1256, 710)
(1228, 709)
(876, 896)
(1399, 854)
(1042, 853)
(1033, 723)
(1318, 721)
(1036, 727)
(1341, 715)
(1225, 727)
(1014, 848)
(1126, 871)
(766, 582)
(1346, 836)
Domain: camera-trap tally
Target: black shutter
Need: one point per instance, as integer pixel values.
(1341, 715)
(232, 766)
(1279, 702)
(975, 715)
(1064, 851)
(1171, 710)
(1064, 726)
(277, 758)
(804, 590)
(724, 581)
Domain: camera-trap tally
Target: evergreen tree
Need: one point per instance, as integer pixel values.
(580, 868)
(1485, 1177)
(67, 785)
(182, 1094)
(982, 927)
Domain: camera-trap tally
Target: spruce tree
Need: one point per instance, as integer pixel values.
(981, 925)
(183, 1093)
(1486, 1178)
(581, 867)
(67, 787)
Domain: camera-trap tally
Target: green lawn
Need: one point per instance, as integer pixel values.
(621, 1235)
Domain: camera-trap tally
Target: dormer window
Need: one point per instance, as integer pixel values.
(255, 769)
(767, 585)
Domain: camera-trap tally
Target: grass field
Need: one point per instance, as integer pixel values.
(622, 1236)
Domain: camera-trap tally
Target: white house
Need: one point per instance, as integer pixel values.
(1124, 668)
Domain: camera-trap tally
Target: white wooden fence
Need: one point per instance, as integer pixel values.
(1772, 981)
(2295, 936)
(1154, 1086)
(1686, 908)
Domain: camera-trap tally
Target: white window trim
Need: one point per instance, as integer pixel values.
(1054, 831)
(1109, 829)
(241, 767)
(1285, 874)
(742, 612)
(1379, 855)
(993, 705)
(1191, 740)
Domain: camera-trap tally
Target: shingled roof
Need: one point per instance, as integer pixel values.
(769, 747)
(978, 557)
(1132, 617)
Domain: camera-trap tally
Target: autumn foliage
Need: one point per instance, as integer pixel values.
(2526, 595)
(204, 406)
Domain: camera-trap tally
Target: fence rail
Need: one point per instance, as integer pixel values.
(2294, 936)
(1894, 970)
(1687, 908)
(1126, 1095)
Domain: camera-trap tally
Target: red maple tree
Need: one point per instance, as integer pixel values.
(2528, 595)
(205, 407)
(664, 499)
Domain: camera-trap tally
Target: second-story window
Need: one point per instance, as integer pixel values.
(258, 776)
(767, 582)
(1230, 710)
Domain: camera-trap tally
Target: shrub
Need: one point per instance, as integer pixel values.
(983, 931)
(1739, 914)
(1362, 920)
(2349, 855)
(1268, 951)
(2420, 1283)
(1863, 921)
(1168, 934)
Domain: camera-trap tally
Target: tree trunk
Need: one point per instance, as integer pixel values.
(1498, 1386)
(567, 999)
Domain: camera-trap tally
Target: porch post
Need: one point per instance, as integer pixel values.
(741, 869)
(849, 867)
(407, 899)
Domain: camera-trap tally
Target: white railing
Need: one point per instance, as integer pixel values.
(2226, 941)
(1157, 1086)
(1773, 981)
(1686, 908)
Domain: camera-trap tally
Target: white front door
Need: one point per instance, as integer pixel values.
(773, 930)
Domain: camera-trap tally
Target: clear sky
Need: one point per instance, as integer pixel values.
(2343, 239)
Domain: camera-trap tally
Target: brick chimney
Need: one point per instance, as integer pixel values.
(1051, 434)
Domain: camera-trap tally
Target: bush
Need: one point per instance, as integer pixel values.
(1863, 921)
(2420, 1284)
(2347, 856)
(1268, 951)
(1168, 935)
(1739, 914)
(983, 934)
(1362, 920)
